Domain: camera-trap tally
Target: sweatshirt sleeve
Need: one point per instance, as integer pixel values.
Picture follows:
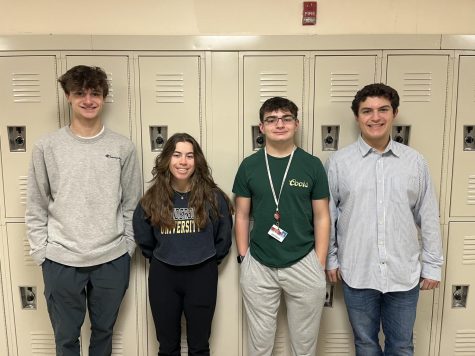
(143, 232)
(131, 190)
(223, 229)
(38, 196)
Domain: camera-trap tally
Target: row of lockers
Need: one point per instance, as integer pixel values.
(215, 96)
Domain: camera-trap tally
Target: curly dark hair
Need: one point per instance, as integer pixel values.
(375, 90)
(84, 77)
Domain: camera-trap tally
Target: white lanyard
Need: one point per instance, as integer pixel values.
(277, 199)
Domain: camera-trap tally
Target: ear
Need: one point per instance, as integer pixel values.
(396, 112)
(67, 97)
(261, 127)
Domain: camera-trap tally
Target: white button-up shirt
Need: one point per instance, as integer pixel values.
(380, 204)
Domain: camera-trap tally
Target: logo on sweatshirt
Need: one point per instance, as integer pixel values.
(113, 157)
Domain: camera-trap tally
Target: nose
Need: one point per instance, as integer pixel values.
(280, 122)
(87, 98)
(182, 160)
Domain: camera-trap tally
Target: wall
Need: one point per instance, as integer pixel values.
(224, 17)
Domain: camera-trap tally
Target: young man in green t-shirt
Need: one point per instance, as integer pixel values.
(285, 192)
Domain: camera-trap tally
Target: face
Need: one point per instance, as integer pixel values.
(375, 119)
(182, 163)
(279, 126)
(86, 104)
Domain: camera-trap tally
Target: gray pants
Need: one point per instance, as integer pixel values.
(69, 290)
(304, 288)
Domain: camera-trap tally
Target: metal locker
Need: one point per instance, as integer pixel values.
(463, 177)
(170, 102)
(34, 334)
(458, 327)
(3, 326)
(117, 114)
(29, 110)
(337, 79)
(223, 157)
(265, 77)
(421, 81)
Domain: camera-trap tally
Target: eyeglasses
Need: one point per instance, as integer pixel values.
(273, 120)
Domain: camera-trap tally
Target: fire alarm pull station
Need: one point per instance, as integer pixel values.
(309, 13)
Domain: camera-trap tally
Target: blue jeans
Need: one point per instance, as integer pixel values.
(395, 311)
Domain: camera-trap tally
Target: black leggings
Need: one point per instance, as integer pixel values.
(174, 290)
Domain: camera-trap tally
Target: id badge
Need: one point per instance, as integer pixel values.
(277, 233)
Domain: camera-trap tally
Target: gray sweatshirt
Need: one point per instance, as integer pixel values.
(81, 198)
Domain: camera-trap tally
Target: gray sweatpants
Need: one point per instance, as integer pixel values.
(304, 288)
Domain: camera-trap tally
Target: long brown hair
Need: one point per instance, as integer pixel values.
(157, 201)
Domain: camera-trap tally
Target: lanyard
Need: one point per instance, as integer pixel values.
(277, 199)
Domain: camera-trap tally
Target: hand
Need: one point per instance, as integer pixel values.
(334, 275)
(427, 284)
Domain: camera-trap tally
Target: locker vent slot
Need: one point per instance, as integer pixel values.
(26, 87)
(273, 84)
(338, 343)
(280, 345)
(469, 250)
(465, 342)
(110, 97)
(170, 88)
(42, 343)
(118, 343)
(344, 86)
(27, 260)
(471, 190)
(22, 187)
(417, 87)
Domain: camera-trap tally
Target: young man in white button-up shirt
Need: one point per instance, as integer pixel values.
(382, 199)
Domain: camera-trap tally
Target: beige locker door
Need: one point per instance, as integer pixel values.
(34, 335)
(29, 98)
(3, 327)
(458, 320)
(223, 157)
(265, 77)
(170, 98)
(117, 108)
(117, 117)
(463, 177)
(337, 79)
(421, 81)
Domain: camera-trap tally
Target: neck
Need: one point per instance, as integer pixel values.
(379, 145)
(279, 149)
(181, 187)
(85, 128)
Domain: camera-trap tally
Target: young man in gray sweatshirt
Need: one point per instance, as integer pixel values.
(83, 186)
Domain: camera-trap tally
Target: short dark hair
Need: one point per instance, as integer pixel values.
(84, 77)
(278, 103)
(375, 90)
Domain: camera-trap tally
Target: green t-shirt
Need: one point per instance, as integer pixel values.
(305, 181)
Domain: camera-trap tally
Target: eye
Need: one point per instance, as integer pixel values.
(190, 156)
(288, 119)
(385, 109)
(270, 119)
(176, 155)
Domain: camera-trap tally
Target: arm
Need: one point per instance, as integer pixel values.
(321, 227)
(243, 208)
(36, 216)
(143, 232)
(333, 270)
(427, 218)
(223, 232)
(131, 190)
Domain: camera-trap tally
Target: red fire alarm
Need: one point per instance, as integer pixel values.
(309, 13)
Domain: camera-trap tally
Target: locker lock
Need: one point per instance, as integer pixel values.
(17, 138)
(28, 297)
(468, 139)
(459, 296)
(158, 136)
(258, 139)
(401, 134)
(330, 137)
(329, 296)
